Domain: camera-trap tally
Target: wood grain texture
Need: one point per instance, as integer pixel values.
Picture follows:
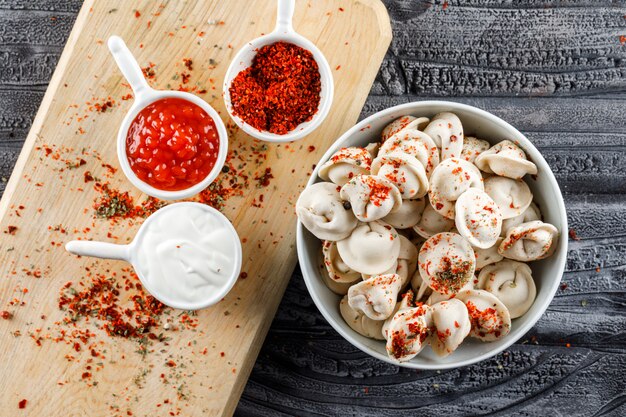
(201, 366)
(555, 69)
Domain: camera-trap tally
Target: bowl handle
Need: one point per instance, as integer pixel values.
(128, 65)
(98, 249)
(285, 16)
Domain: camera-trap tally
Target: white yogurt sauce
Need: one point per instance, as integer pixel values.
(188, 255)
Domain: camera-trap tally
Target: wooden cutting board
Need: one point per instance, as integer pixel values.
(64, 364)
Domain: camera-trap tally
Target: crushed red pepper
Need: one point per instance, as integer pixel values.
(22, 404)
(279, 91)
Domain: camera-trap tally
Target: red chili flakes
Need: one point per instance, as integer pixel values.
(222, 354)
(137, 14)
(88, 176)
(445, 5)
(573, 235)
(104, 106)
(114, 204)
(622, 40)
(341, 9)
(563, 286)
(11, 230)
(263, 180)
(279, 91)
(22, 404)
(86, 375)
(243, 275)
(188, 63)
(148, 71)
(185, 77)
(311, 148)
(338, 67)
(171, 363)
(127, 97)
(6, 315)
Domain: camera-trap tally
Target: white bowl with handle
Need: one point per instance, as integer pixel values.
(547, 273)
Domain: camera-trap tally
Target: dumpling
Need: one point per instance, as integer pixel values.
(402, 123)
(451, 178)
(449, 326)
(407, 333)
(359, 322)
(323, 213)
(371, 197)
(432, 223)
(407, 300)
(407, 260)
(505, 159)
(376, 297)
(447, 133)
(415, 143)
(339, 288)
(337, 269)
(489, 316)
(345, 164)
(372, 248)
(478, 218)
(372, 148)
(436, 297)
(512, 283)
(446, 262)
(472, 147)
(408, 215)
(530, 214)
(512, 196)
(529, 241)
(488, 256)
(404, 171)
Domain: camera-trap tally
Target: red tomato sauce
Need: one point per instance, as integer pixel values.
(172, 144)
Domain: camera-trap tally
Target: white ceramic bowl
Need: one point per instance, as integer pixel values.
(547, 273)
(283, 32)
(144, 96)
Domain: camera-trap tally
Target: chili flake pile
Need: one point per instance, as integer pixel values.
(279, 91)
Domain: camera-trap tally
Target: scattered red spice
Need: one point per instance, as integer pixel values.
(243, 275)
(563, 286)
(279, 91)
(11, 230)
(113, 204)
(622, 39)
(6, 315)
(22, 404)
(137, 14)
(573, 235)
(188, 63)
(171, 363)
(445, 5)
(263, 180)
(311, 148)
(338, 67)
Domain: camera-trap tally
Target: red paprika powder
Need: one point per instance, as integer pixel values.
(279, 91)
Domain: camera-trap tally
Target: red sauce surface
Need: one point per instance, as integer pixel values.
(172, 144)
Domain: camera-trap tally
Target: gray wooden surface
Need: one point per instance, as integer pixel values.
(556, 69)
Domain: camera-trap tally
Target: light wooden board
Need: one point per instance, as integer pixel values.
(354, 36)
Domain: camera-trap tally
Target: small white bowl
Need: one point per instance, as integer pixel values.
(144, 96)
(283, 32)
(130, 254)
(547, 273)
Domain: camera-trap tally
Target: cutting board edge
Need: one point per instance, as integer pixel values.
(48, 98)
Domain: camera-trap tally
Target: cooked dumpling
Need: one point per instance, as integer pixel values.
(407, 333)
(488, 256)
(449, 326)
(451, 178)
(415, 143)
(446, 263)
(323, 213)
(478, 218)
(359, 322)
(489, 316)
(337, 269)
(472, 147)
(372, 248)
(345, 164)
(432, 223)
(404, 171)
(407, 260)
(436, 297)
(530, 214)
(512, 283)
(407, 300)
(512, 196)
(529, 241)
(408, 215)
(371, 197)
(376, 297)
(505, 159)
(447, 132)
(402, 123)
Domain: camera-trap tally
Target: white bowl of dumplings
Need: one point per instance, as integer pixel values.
(432, 235)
